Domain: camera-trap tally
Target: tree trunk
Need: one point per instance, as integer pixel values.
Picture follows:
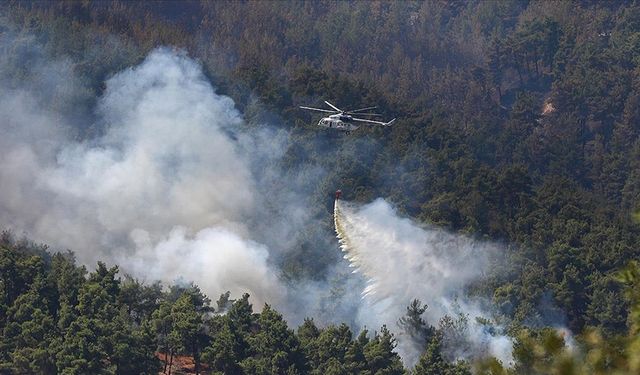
(520, 75)
(516, 63)
(171, 362)
(164, 369)
(196, 359)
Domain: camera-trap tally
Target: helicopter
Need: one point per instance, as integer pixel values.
(343, 120)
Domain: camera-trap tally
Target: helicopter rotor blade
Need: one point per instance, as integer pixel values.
(333, 106)
(365, 114)
(363, 109)
(317, 109)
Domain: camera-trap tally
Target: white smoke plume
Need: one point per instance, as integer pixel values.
(401, 261)
(164, 192)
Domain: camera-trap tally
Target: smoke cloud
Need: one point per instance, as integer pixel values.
(401, 261)
(165, 191)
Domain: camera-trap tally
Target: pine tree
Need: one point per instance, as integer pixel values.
(379, 354)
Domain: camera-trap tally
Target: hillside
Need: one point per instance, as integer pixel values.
(518, 127)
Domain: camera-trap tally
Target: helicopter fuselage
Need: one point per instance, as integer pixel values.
(339, 122)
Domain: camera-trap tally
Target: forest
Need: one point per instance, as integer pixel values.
(56, 317)
(518, 123)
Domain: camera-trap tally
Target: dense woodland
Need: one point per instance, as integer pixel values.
(518, 122)
(55, 317)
